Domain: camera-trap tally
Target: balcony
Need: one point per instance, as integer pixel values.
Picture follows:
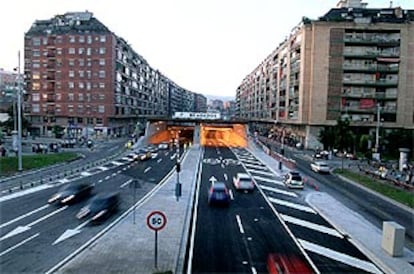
(372, 40)
(379, 82)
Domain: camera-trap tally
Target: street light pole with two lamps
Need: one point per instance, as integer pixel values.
(19, 116)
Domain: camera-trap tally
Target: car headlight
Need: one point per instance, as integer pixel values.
(53, 198)
(99, 214)
(67, 199)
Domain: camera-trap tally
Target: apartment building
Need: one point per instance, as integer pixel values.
(353, 62)
(8, 89)
(81, 76)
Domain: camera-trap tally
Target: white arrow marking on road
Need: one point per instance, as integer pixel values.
(24, 228)
(70, 232)
(24, 216)
(19, 244)
(212, 179)
(147, 169)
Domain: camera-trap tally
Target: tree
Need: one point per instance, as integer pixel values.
(327, 137)
(58, 131)
(339, 136)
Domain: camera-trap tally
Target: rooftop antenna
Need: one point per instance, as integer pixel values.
(390, 4)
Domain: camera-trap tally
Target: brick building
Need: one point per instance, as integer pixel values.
(81, 76)
(352, 62)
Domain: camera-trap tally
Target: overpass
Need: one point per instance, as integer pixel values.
(206, 132)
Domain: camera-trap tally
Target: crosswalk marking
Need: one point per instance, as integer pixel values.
(117, 163)
(102, 168)
(269, 180)
(256, 166)
(279, 191)
(340, 257)
(259, 172)
(85, 173)
(292, 205)
(312, 226)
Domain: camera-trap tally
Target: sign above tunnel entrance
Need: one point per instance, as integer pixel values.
(197, 115)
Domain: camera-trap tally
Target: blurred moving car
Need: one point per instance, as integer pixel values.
(293, 179)
(243, 181)
(320, 167)
(143, 154)
(100, 207)
(218, 194)
(71, 193)
(287, 264)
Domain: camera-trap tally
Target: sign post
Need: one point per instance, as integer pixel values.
(156, 220)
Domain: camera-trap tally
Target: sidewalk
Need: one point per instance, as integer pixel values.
(129, 247)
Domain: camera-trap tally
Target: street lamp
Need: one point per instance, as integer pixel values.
(377, 128)
(19, 117)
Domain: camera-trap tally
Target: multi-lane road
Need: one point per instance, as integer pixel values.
(35, 236)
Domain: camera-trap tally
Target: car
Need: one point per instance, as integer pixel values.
(320, 167)
(287, 264)
(133, 156)
(163, 146)
(143, 154)
(293, 179)
(100, 207)
(71, 193)
(218, 194)
(243, 181)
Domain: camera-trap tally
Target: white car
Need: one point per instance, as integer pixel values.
(320, 167)
(293, 180)
(243, 181)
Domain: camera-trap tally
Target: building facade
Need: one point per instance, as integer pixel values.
(353, 62)
(84, 78)
(8, 89)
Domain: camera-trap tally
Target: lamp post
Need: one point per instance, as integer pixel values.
(377, 128)
(19, 118)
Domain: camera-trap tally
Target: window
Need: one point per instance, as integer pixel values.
(101, 74)
(58, 96)
(102, 50)
(70, 108)
(36, 75)
(71, 96)
(81, 39)
(71, 51)
(81, 74)
(88, 86)
(88, 74)
(89, 63)
(71, 85)
(102, 85)
(71, 39)
(35, 97)
(71, 62)
(59, 51)
(44, 40)
(99, 121)
(81, 85)
(101, 96)
(88, 51)
(102, 38)
(80, 119)
(36, 64)
(36, 41)
(59, 40)
(81, 62)
(81, 50)
(102, 62)
(36, 53)
(101, 109)
(35, 108)
(89, 121)
(80, 96)
(89, 39)
(71, 73)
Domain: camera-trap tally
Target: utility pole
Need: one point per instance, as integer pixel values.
(377, 128)
(19, 118)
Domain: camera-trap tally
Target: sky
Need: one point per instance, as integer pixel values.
(205, 46)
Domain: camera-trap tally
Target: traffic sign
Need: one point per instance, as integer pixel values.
(156, 220)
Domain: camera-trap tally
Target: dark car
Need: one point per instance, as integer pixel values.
(218, 194)
(100, 207)
(71, 193)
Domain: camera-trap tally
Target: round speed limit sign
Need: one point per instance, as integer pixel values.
(156, 220)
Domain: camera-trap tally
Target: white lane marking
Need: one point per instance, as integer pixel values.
(25, 192)
(24, 216)
(86, 174)
(292, 205)
(19, 244)
(159, 160)
(113, 174)
(102, 168)
(225, 177)
(269, 180)
(71, 232)
(119, 171)
(21, 229)
(239, 224)
(172, 157)
(257, 166)
(231, 194)
(107, 177)
(63, 181)
(279, 191)
(147, 169)
(125, 168)
(253, 270)
(259, 171)
(126, 183)
(252, 162)
(117, 163)
(340, 257)
(100, 181)
(311, 225)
